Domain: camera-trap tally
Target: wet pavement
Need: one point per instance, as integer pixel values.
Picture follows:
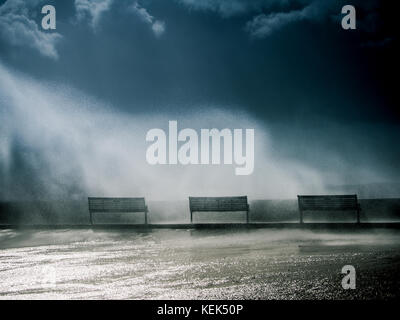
(197, 264)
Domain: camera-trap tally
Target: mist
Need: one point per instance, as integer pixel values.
(56, 142)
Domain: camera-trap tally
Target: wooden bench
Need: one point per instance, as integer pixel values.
(329, 203)
(114, 205)
(207, 204)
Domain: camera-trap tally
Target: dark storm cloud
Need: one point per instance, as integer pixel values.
(157, 26)
(92, 10)
(263, 17)
(268, 16)
(207, 55)
(18, 28)
(264, 24)
(229, 8)
(20, 22)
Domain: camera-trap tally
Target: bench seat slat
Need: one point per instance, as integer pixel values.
(328, 203)
(218, 203)
(117, 204)
(339, 202)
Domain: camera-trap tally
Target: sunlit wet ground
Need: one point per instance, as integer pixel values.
(197, 264)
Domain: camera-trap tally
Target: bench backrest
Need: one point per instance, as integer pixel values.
(328, 202)
(218, 204)
(117, 205)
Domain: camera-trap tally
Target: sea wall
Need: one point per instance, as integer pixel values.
(76, 212)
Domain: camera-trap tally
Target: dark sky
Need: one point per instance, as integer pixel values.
(306, 68)
(288, 64)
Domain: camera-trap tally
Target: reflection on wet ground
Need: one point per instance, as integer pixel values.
(197, 264)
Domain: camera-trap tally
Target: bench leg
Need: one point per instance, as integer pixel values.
(191, 217)
(247, 216)
(145, 217)
(358, 215)
(301, 216)
(90, 218)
